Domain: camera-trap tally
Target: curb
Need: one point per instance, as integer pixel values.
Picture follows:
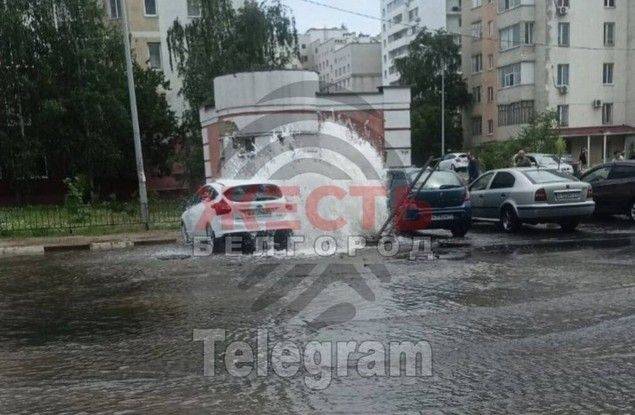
(13, 251)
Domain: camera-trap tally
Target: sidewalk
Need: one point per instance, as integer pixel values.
(34, 246)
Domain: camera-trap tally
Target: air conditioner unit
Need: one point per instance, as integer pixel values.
(562, 10)
(597, 103)
(563, 89)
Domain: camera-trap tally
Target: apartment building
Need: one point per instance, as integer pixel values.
(310, 41)
(150, 21)
(570, 56)
(403, 19)
(344, 61)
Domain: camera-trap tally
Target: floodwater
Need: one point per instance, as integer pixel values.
(113, 332)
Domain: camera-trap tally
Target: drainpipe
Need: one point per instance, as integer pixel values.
(605, 146)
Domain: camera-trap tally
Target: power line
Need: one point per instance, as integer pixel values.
(470, 36)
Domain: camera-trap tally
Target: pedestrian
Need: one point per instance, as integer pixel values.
(521, 159)
(473, 167)
(617, 156)
(583, 158)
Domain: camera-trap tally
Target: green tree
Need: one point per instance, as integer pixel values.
(429, 55)
(222, 41)
(65, 95)
(541, 135)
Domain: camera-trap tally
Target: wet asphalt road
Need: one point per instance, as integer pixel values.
(112, 332)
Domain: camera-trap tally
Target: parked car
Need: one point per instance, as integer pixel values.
(454, 162)
(567, 158)
(531, 195)
(550, 161)
(443, 202)
(613, 188)
(241, 208)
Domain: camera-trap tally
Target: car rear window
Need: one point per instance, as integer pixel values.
(254, 193)
(438, 180)
(548, 176)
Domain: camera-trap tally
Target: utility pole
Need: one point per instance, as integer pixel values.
(443, 108)
(143, 193)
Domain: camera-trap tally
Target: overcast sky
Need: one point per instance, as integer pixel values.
(309, 15)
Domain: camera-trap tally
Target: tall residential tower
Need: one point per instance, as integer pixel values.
(570, 56)
(402, 21)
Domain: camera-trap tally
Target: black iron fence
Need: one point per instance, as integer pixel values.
(66, 218)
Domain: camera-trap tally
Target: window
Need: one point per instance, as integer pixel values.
(507, 4)
(244, 144)
(490, 127)
(529, 33)
(510, 37)
(481, 183)
(562, 3)
(609, 3)
(562, 115)
(564, 29)
(154, 52)
(503, 180)
(607, 113)
(477, 63)
(490, 62)
(607, 75)
(476, 94)
(150, 7)
(115, 9)
(597, 175)
(477, 30)
(623, 171)
(609, 34)
(510, 75)
(413, 14)
(490, 94)
(477, 126)
(515, 113)
(476, 3)
(194, 10)
(563, 75)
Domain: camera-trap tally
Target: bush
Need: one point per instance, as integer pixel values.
(74, 204)
(540, 136)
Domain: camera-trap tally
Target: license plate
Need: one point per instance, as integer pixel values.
(565, 197)
(257, 213)
(439, 218)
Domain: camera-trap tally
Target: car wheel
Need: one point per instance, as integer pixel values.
(184, 235)
(281, 240)
(209, 234)
(509, 221)
(460, 230)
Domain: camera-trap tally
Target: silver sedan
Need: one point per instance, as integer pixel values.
(531, 195)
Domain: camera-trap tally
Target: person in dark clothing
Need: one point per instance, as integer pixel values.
(521, 159)
(473, 167)
(583, 158)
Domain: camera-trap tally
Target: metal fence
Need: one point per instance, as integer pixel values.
(69, 218)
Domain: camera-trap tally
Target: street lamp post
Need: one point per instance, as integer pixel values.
(443, 109)
(143, 193)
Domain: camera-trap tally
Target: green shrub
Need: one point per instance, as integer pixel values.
(540, 136)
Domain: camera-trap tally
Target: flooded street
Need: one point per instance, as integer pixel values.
(92, 332)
